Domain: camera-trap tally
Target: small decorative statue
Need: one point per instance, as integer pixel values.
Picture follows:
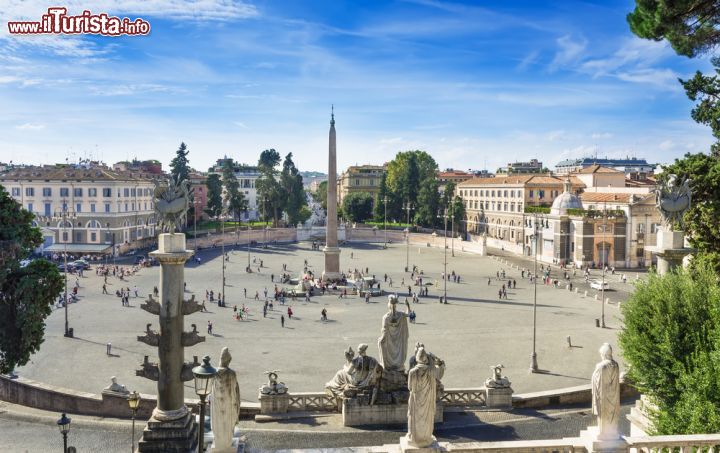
(273, 387)
(497, 380)
(422, 382)
(115, 387)
(606, 395)
(393, 341)
(225, 407)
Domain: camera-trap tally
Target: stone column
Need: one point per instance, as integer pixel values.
(332, 252)
(171, 427)
(670, 250)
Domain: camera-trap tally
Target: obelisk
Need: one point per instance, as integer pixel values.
(332, 252)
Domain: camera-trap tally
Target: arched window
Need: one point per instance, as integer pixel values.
(93, 224)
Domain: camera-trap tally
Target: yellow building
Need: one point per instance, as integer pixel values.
(360, 178)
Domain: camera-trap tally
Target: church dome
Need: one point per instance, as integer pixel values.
(566, 200)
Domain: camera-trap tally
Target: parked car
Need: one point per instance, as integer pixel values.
(70, 267)
(81, 264)
(598, 284)
(139, 259)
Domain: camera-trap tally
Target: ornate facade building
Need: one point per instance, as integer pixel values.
(360, 178)
(106, 210)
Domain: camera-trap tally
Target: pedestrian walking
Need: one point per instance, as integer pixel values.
(105, 291)
(209, 327)
(135, 288)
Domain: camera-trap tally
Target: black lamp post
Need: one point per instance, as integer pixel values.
(64, 425)
(203, 376)
(133, 401)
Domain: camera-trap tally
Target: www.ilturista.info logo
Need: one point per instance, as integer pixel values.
(56, 21)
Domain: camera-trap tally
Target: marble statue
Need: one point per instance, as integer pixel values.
(273, 387)
(497, 380)
(606, 395)
(172, 201)
(115, 387)
(225, 407)
(342, 378)
(672, 200)
(422, 382)
(394, 335)
(364, 370)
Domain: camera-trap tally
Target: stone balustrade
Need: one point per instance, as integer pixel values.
(463, 397)
(687, 443)
(311, 401)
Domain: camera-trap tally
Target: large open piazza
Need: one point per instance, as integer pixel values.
(472, 332)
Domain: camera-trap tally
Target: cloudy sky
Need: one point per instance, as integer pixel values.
(476, 84)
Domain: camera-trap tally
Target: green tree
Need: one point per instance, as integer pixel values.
(291, 183)
(706, 91)
(406, 174)
(234, 199)
(457, 213)
(26, 293)
(691, 26)
(270, 195)
(447, 194)
(357, 206)
(180, 171)
(671, 340)
(321, 194)
(214, 195)
(428, 202)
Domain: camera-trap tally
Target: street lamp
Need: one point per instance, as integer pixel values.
(196, 203)
(64, 214)
(223, 260)
(249, 228)
(64, 425)
(444, 215)
(533, 356)
(133, 401)
(407, 207)
(385, 200)
(203, 376)
(604, 265)
(452, 227)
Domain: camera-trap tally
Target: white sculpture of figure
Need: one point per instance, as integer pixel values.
(342, 378)
(606, 395)
(422, 382)
(364, 369)
(394, 335)
(225, 407)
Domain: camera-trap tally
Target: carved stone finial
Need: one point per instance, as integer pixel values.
(192, 338)
(151, 338)
(186, 374)
(672, 200)
(151, 305)
(191, 306)
(273, 387)
(497, 380)
(148, 370)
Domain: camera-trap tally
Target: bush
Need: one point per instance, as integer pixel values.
(672, 344)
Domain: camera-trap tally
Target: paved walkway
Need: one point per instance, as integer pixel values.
(474, 331)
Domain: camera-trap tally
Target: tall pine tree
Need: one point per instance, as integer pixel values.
(180, 171)
(234, 199)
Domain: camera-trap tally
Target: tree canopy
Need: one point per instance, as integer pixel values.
(214, 195)
(406, 174)
(269, 191)
(234, 199)
(690, 26)
(26, 293)
(291, 183)
(357, 206)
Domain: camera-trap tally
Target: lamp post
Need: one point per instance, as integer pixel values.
(196, 203)
(385, 200)
(407, 207)
(223, 259)
(203, 376)
(248, 266)
(64, 214)
(444, 215)
(533, 356)
(133, 401)
(452, 227)
(64, 425)
(604, 265)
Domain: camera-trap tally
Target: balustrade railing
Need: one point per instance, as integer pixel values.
(311, 401)
(692, 443)
(463, 397)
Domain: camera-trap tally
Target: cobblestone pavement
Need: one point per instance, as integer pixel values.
(25, 430)
(472, 332)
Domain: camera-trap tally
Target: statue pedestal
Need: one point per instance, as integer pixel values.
(273, 404)
(169, 436)
(332, 265)
(236, 447)
(432, 448)
(499, 398)
(589, 438)
(670, 250)
(356, 414)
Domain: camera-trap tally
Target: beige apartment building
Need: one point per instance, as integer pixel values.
(360, 178)
(105, 208)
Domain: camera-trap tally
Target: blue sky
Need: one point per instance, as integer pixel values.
(476, 84)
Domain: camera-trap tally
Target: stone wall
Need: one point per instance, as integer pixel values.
(582, 394)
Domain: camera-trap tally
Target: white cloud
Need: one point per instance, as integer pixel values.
(666, 145)
(663, 78)
(601, 135)
(240, 124)
(30, 127)
(569, 51)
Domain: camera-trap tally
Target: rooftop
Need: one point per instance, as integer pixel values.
(63, 172)
(524, 179)
(597, 168)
